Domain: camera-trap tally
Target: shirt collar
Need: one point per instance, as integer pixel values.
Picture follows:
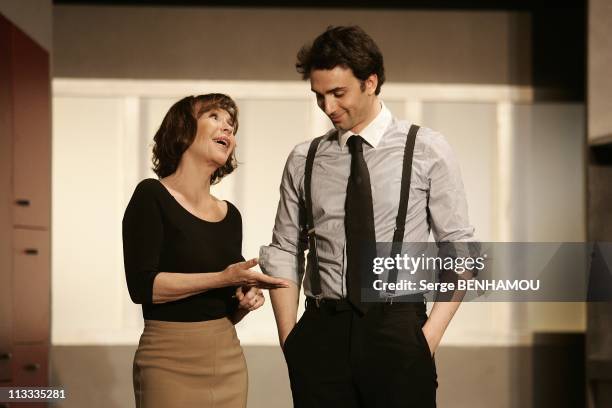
(373, 132)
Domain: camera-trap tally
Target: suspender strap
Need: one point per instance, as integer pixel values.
(400, 221)
(309, 228)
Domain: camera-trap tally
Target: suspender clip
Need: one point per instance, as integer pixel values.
(312, 241)
(318, 300)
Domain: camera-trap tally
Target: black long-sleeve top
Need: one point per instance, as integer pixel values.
(160, 235)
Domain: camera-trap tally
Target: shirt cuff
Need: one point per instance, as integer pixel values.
(277, 263)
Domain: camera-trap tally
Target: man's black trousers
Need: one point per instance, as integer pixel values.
(340, 358)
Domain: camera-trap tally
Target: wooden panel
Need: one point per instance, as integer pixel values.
(6, 159)
(32, 130)
(599, 95)
(6, 358)
(31, 286)
(31, 369)
(25, 150)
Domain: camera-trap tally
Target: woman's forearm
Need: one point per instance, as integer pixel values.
(170, 286)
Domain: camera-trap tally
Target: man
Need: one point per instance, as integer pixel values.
(345, 352)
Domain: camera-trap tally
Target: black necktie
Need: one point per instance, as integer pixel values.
(359, 226)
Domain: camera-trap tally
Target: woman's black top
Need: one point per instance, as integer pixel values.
(160, 235)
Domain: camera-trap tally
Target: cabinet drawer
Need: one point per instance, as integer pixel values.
(31, 286)
(6, 359)
(30, 365)
(30, 368)
(31, 97)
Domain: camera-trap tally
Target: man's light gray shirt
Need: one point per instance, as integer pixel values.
(436, 203)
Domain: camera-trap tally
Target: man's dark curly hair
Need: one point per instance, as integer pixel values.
(179, 128)
(344, 46)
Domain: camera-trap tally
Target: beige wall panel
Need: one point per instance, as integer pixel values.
(599, 62)
(88, 204)
(242, 43)
(471, 130)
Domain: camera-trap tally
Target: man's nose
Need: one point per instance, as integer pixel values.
(329, 106)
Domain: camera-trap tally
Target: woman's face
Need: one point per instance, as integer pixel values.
(214, 141)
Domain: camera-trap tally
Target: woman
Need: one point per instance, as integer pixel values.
(183, 263)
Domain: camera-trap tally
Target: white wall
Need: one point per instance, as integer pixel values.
(548, 164)
(102, 133)
(87, 202)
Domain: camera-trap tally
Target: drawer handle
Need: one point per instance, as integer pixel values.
(5, 356)
(22, 202)
(31, 251)
(32, 367)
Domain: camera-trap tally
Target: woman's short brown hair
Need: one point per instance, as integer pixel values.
(179, 128)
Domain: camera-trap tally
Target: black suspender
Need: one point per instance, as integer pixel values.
(400, 221)
(309, 229)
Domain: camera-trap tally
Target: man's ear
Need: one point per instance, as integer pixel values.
(371, 83)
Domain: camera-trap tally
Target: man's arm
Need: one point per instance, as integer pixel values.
(284, 257)
(285, 305)
(441, 315)
(439, 319)
(449, 223)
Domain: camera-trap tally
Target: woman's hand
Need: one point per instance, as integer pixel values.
(249, 298)
(239, 274)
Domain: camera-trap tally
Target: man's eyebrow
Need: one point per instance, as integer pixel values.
(336, 89)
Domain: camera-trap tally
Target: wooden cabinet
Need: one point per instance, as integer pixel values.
(25, 208)
(31, 133)
(29, 368)
(6, 357)
(31, 285)
(6, 218)
(30, 365)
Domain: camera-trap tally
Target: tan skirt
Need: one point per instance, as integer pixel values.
(190, 364)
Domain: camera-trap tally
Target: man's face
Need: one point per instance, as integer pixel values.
(347, 101)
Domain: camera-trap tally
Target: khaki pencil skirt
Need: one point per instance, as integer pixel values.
(190, 364)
